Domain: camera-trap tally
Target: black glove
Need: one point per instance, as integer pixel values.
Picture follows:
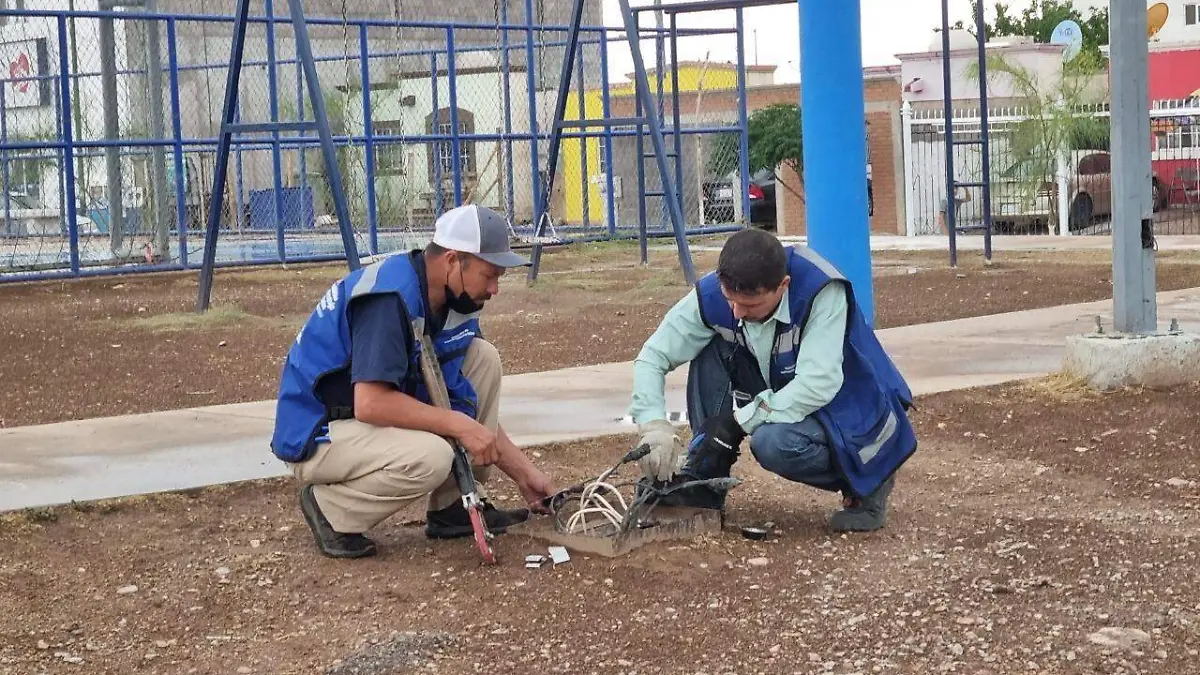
(722, 436)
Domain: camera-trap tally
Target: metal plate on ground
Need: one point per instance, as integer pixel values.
(666, 523)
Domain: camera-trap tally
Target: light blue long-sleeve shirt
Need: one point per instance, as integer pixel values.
(682, 335)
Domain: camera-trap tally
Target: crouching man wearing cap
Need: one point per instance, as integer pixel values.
(353, 419)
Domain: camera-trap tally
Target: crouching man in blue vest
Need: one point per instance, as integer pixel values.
(353, 418)
(779, 353)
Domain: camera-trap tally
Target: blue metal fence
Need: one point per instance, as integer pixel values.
(391, 135)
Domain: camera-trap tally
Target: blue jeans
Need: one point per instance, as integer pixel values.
(797, 451)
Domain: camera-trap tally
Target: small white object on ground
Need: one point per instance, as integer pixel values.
(559, 555)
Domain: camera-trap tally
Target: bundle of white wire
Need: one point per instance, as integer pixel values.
(592, 501)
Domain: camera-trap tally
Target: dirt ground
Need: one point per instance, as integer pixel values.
(99, 347)
(1039, 529)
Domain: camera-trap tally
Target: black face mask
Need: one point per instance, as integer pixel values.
(461, 303)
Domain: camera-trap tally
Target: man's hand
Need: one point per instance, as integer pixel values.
(722, 436)
(478, 441)
(665, 448)
(534, 487)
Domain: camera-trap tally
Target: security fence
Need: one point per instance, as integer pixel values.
(1067, 191)
(109, 123)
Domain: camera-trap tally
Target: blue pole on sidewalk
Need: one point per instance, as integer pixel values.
(835, 146)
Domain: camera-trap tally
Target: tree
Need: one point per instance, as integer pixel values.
(773, 136)
(1058, 119)
(1039, 19)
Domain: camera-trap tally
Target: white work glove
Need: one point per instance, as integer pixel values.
(665, 450)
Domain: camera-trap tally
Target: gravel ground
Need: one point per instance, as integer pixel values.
(1040, 529)
(101, 347)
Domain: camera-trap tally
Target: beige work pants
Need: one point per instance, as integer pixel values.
(365, 473)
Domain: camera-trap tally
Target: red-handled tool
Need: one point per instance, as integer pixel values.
(463, 475)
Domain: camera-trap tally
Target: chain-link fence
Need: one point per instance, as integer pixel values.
(109, 123)
(1044, 190)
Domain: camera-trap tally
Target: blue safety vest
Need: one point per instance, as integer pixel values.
(323, 347)
(866, 422)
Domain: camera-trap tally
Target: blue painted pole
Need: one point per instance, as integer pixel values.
(301, 150)
(240, 190)
(743, 120)
(640, 149)
(68, 137)
(586, 184)
(177, 133)
(835, 147)
(276, 160)
(436, 148)
(948, 116)
(455, 146)
(237, 51)
(368, 131)
(4, 163)
(654, 128)
(608, 136)
(509, 189)
(535, 177)
(304, 54)
(676, 120)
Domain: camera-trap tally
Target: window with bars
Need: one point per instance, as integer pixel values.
(389, 155)
(1182, 136)
(25, 175)
(443, 151)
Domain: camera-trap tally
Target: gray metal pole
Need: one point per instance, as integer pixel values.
(158, 156)
(1134, 306)
(112, 153)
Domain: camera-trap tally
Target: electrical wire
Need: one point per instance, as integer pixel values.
(593, 498)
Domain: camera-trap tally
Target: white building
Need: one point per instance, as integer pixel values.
(921, 72)
(30, 107)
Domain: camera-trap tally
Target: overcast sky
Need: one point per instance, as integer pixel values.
(889, 27)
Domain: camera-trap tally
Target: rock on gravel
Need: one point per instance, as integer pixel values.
(1119, 638)
(400, 651)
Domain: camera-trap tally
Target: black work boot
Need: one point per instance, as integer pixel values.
(453, 522)
(331, 542)
(694, 497)
(863, 515)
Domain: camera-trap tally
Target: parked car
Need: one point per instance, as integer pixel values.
(1025, 199)
(26, 216)
(762, 198)
(721, 207)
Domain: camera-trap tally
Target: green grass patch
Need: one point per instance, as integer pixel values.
(215, 317)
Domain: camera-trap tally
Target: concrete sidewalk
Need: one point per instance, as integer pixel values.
(974, 242)
(108, 457)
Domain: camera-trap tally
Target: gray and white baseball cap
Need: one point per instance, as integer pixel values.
(479, 231)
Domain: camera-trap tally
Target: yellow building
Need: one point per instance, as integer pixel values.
(693, 76)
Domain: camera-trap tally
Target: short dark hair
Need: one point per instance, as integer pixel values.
(752, 261)
(433, 250)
